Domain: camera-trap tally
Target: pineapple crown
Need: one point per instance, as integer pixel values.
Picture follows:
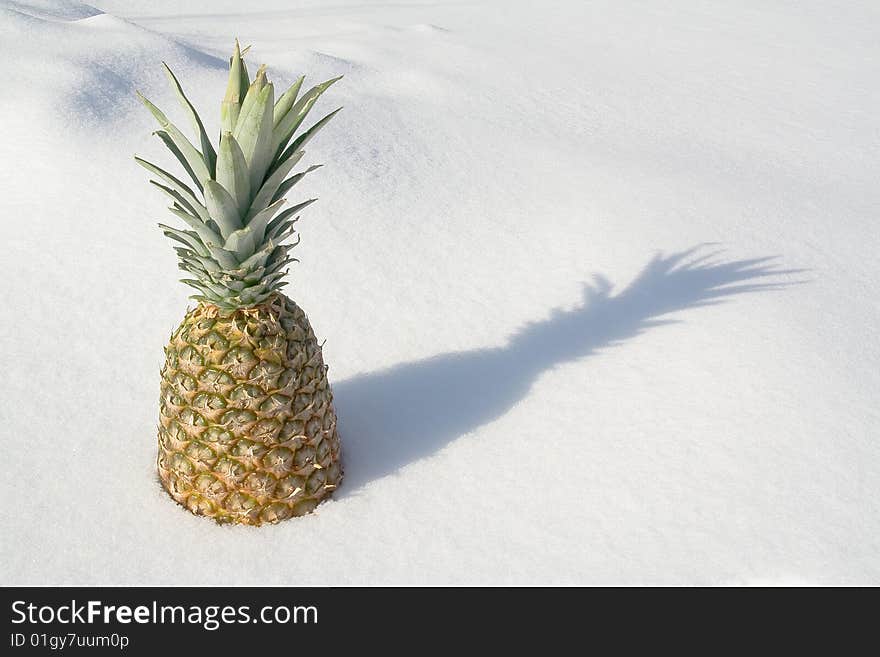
(234, 245)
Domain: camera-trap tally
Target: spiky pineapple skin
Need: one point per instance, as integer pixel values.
(247, 430)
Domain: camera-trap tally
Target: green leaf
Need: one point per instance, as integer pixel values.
(276, 227)
(299, 206)
(244, 80)
(196, 209)
(286, 186)
(296, 115)
(205, 234)
(208, 153)
(259, 221)
(254, 294)
(242, 243)
(283, 234)
(166, 139)
(259, 258)
(300, 142)
(255, 275)
(219, 290)
(187, 237)
(223, 208)
(271, 279)
(224, 258)
(174, 183)
(279, 264)
(280, 253)
(231, 105)
(194, 160)
(209, 264)
(268, 191)
(196, 284)
(232, 172)
(288, 98)
(251, 95)
(192, 269)
(288, 212)
(254, 135)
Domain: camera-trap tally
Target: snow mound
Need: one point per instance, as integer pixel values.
(89, 64)
(65, 10)
(103, 21)
(426, 28)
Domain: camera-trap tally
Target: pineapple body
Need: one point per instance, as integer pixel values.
(247, 428)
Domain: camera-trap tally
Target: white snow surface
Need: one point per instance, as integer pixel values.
(597, 280)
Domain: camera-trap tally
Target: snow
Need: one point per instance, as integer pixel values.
(597, 283)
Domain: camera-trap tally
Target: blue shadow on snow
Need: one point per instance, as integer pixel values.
(399, 415)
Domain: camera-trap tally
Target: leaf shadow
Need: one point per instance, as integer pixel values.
(399, 415)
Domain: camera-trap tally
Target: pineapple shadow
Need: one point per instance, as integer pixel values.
(399, 415)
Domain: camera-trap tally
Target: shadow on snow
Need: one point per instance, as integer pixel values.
(399, 415)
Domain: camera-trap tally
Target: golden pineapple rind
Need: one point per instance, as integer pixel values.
(247, 430)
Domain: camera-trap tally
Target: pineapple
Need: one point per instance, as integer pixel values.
(247, 430)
